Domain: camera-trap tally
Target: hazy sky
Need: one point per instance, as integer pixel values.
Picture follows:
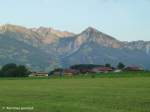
(124, 19)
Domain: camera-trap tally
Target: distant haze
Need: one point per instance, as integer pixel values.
(126, 20)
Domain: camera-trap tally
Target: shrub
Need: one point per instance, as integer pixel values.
(120, 65)
(12, 70)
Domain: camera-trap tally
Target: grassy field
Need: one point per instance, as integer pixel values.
(104, 93)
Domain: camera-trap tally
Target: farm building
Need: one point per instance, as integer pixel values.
(56, 72)
(38, 74)
(101, 69)
(62, 72)
(117, 71)
(134, 68)
(70, 72)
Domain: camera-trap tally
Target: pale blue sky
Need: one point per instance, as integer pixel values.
(124, 19)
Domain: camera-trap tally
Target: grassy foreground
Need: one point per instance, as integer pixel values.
(117, 94)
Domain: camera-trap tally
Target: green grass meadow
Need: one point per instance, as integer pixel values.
(104, 93)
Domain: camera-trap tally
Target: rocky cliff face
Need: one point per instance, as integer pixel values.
(138, 45)
(49, 35)
(93, 35)
(46, 48)
(90, 35)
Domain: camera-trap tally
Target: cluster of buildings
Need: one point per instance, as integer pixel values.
(85, 70)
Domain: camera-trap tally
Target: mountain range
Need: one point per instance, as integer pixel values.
(43, 49)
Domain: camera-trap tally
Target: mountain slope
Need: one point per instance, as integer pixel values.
(14, 51)
(45, 48)
(92, 46)
(70, 45)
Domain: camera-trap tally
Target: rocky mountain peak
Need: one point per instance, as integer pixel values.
(12, 28)
(48, 32)
(44, 34)
(90, 30)
(93, 35)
